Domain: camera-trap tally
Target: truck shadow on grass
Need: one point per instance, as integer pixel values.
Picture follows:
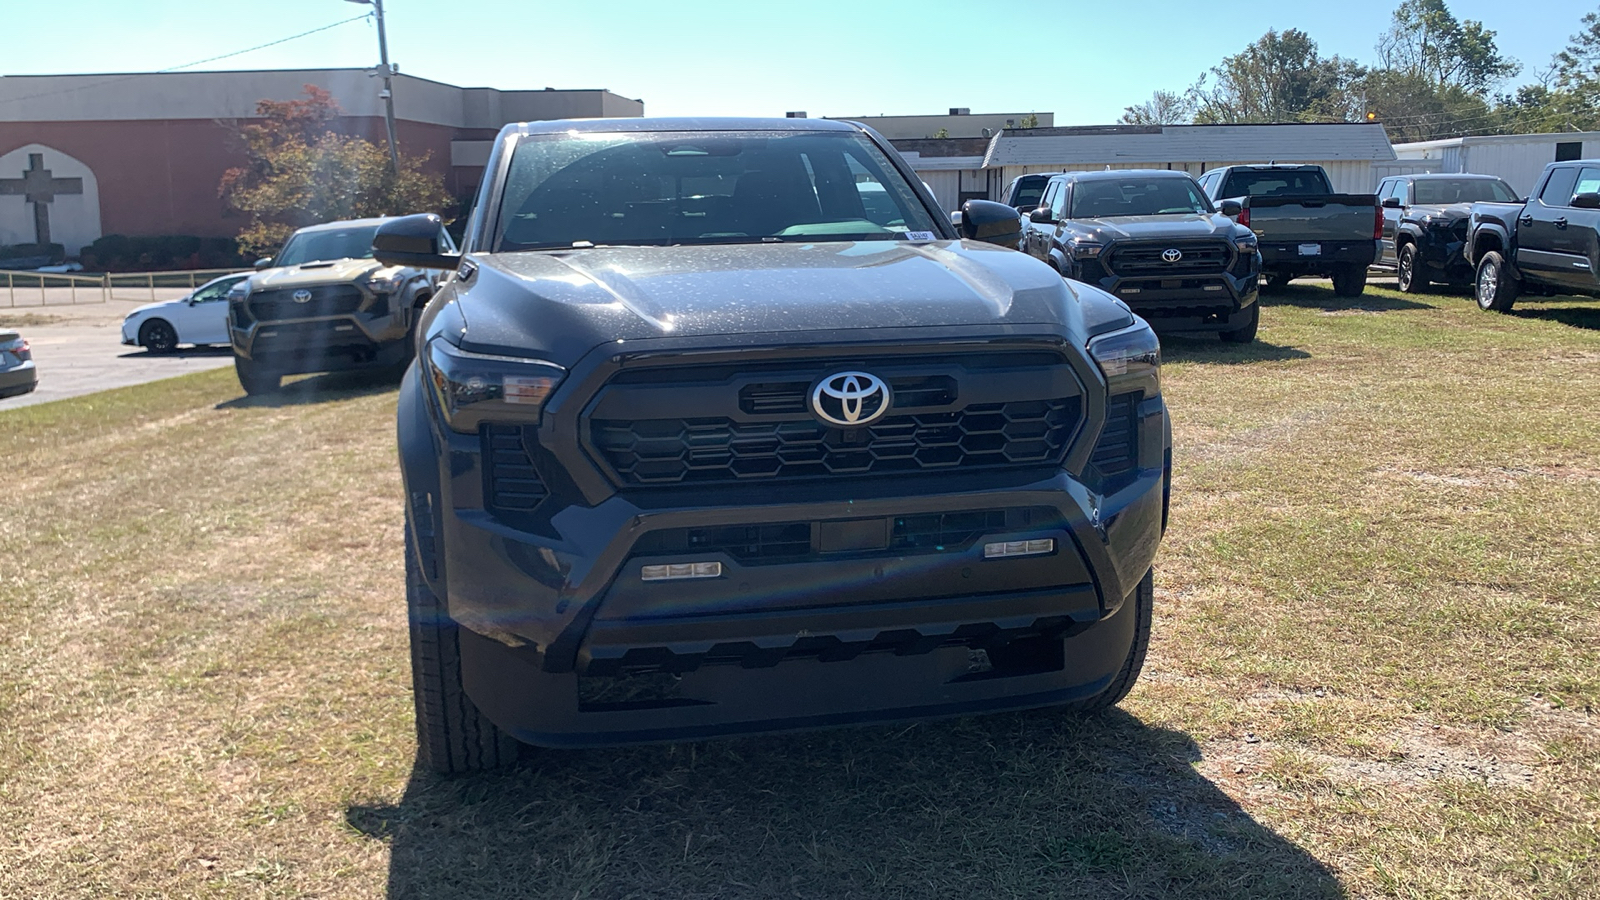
(1587, 317)
(1209, 349)
(322, 388)
(1031, 804)
(1306, 296)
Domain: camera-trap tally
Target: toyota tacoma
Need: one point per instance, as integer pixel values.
(1153, 239)
(700, 442)
(1548, 245)
(1425, 219)
(323, 304)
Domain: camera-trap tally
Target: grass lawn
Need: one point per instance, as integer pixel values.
(1375, 669)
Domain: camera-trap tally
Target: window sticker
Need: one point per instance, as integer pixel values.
(921, 236)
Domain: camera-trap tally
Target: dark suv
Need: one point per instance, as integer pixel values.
(1425, 219)
(1154, 240)
(324, 304)
(703, 439)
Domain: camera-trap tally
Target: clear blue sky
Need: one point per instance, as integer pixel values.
(1084, 61)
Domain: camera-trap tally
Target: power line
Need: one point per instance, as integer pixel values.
(198, 62)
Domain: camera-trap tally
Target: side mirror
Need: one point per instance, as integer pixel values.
(264, 263)
(1391, 203)
(1586, 200)
(412, 241)
(990, 222)
(1231, 208)
(1041, 216)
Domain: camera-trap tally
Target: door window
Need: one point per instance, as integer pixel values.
(1558, 190)
(1588, 181)
(1058, 207)
(1050, 193)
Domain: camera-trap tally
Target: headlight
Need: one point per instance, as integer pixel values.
(239, 291)
(1246, 244)
(472, 388)
(387, 281)
(1084, 249)
(1128, 356)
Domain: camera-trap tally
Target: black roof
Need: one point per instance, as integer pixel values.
(1440, 176)
(1114, 174)
(555, 126)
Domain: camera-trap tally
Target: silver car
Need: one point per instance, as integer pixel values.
(17, 374)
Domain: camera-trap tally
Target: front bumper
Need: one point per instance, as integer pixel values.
(321, 345)
(564, 644)
(1190, 303)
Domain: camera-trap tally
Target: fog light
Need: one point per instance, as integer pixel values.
(676, 571)
(1019, 548)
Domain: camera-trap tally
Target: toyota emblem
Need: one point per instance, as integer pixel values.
(1172, 254)
(850, 398)
(302, 296)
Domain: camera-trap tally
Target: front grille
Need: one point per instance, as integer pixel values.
(1145, 258)
(1117, 451)
(798, 541)
(703, 450)
(512, 484)
(326, 300)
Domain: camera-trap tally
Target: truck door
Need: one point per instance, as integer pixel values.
(1395, 187)
(1578, 241)
(1542, 231)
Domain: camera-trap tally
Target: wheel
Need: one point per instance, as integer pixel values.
(1350, 281)
(452, 736)
(255, 378)
(1495, 288)
(1275, 282)
(158, 336)
(1143, 606)
(1245, 333)
(1412, 281)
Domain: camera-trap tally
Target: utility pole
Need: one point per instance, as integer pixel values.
(387, 71)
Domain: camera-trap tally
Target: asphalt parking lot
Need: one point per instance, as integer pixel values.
(78, 349)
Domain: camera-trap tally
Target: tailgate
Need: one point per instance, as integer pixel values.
(1327, 217)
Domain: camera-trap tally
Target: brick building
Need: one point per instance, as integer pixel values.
(87, 155)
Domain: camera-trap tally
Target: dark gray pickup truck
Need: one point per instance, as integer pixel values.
(1548, 245)
(1305, 229)
(700, 441)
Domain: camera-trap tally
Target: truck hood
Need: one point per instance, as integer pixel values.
(559, 305)
(1154, 228)
(1446, 211)
(325, 272)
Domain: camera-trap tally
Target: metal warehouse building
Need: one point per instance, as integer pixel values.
(1517, 158)
(1348, 151)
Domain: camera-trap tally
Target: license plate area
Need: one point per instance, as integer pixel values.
(1310, 249)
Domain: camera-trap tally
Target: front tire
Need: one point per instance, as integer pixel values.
(1275, 283)
(452, 735)
(158, 336)
(1411, 281)
(1495, 288)
(255, 378)
(1142, 605)
(1350, 281)
(1245, 333)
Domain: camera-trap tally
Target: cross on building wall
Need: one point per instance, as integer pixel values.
(39, 187)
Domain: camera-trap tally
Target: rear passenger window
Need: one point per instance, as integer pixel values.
(1588, 181)
(1558, 190)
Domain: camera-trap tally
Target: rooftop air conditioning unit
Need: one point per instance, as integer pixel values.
(796, 114)
(960, 111)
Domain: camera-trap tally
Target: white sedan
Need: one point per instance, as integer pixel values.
(200, 318)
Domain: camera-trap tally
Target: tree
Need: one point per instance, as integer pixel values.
(1163, 108)
(1279, 78)
(300, 171)
(1425, 40)
(1580, 61)
(1030, 120)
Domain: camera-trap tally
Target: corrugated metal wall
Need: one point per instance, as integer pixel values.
(947, 185)
(1348, 176)
(1520, 164)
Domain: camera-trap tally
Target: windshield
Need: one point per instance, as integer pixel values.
(327, 244)
(661, 188)
(1463, 190)
(1277, 182)
(1134, 196)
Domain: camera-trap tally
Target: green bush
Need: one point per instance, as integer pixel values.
(158, 253)
(50, 253)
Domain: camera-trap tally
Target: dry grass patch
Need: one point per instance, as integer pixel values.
(1375, 670)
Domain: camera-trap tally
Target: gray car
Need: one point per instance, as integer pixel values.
(17, 374)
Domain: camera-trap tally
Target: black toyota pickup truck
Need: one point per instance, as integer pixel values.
(1548, 245)
(1425, 220)
(1152, 239)
(700, 442)
(1305, 229)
